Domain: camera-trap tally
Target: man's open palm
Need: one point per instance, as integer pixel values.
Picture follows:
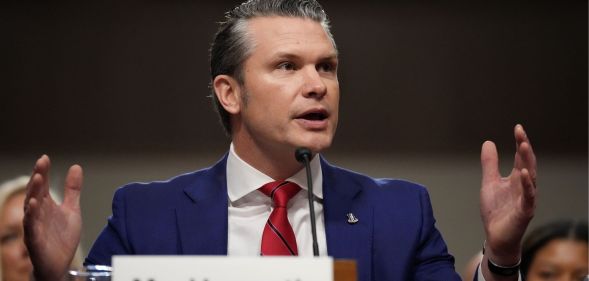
(52, 231)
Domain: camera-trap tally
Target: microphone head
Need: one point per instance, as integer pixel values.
(303, 154)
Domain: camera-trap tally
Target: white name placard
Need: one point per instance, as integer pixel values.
(221, 268)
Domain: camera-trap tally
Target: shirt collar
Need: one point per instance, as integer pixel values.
(242, 178)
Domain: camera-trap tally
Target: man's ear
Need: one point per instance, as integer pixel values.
(228, 93)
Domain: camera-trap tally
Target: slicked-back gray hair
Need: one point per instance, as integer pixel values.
(231, 45)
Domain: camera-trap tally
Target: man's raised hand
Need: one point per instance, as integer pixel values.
(52, 231)
(507, 203)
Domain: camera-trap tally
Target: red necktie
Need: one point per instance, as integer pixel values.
(278, 238)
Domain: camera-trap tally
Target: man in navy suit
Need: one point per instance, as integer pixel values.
(274, 76)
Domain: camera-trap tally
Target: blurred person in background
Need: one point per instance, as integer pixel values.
(15, 263)
(556, 251)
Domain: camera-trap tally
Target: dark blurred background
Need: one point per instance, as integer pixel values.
(122, 86)
(114, 76)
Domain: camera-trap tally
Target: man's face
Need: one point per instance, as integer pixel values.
(291, 86)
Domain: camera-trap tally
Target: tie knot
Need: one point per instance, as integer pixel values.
(280, 192)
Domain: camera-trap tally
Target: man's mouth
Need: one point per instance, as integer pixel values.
(315, 119)
(314, 115)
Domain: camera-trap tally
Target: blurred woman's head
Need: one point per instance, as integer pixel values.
(556, 251)
(15, 264)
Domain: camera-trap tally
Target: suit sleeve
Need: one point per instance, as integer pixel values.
(113, 238)
(432, 260)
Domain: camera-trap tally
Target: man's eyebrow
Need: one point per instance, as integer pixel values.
(333, 56)
(286, 55)
(289, 55)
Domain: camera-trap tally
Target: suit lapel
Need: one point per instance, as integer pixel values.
(202, 219)
(346, 240)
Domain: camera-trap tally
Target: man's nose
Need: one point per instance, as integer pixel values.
(314, 86)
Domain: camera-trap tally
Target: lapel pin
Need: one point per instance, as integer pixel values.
(351, 218)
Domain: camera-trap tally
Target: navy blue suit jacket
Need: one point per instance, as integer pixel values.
(395, 238)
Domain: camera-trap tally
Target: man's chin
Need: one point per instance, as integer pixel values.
(315, 145)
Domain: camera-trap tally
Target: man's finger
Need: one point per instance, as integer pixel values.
(520, 134)
(42, 168)
(528, 159)
(529, 192)
(73, 187)
(35, 188)
(520, 137)
(31, 212)
(31, 219)
(35, 184)
(489, 162)
(524, 155)
(33, 194)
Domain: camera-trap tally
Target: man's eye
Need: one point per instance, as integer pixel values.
(326, 67)
(286, 66)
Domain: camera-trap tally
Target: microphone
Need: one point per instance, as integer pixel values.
(303, 155)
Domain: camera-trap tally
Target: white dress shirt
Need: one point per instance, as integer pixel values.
(249, 208)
